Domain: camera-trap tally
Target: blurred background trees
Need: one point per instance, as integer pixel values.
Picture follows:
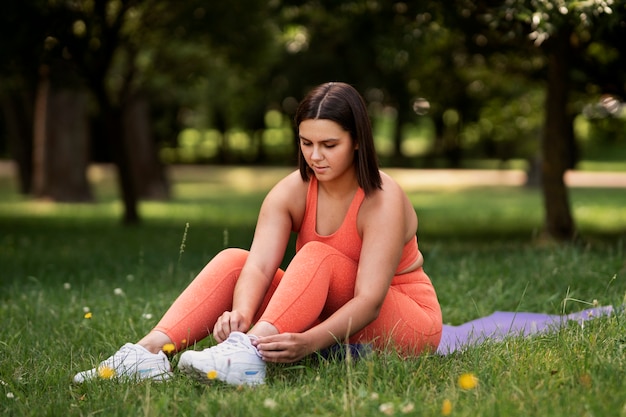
(533, 84)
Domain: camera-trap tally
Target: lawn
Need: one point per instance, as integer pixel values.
(483, 252)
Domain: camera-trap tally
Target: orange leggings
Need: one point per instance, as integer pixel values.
(317, 282)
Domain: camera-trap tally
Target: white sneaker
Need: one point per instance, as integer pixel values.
(132, 362)
(234, 361)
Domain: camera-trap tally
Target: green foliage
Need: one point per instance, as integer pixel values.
(222, 66)
(546, 17)
(58, 261)
(275, 142)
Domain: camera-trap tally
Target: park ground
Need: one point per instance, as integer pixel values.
(74, 286)
(251, 177)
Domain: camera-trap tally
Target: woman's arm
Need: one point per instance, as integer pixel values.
(384, 229)
(271, 236)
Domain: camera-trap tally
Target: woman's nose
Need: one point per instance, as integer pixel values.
(316, 154)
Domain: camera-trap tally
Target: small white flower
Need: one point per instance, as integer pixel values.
(86, 309)
(386, 408)
(67, 286)
(270, 403)
(118, 291)
(10, 395)
(146, 316)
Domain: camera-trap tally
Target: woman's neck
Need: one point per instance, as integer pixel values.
(340, 187)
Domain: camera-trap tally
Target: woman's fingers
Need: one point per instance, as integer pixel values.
(284, 348)
(228, 322)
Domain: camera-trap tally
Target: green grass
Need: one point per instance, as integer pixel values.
(482, 250)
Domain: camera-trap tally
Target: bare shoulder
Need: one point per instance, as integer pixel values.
(290, 186)
(390, 196)
(391, 185)
(289, 194)
(390, 203)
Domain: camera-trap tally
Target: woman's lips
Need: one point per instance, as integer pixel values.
(319, 170)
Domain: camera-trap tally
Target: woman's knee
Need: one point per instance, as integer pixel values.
(232, 255)
(225, 260)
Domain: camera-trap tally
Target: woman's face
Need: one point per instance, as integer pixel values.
(327, 148)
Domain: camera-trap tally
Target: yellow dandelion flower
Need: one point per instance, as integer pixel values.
(88, 315)
(211, 374)
(183, 342)
(169, 348)
(446, 407)
(468, 381)
(105, 372)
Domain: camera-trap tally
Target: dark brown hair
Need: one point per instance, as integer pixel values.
(342, 104)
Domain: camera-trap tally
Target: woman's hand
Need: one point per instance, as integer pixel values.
(230, 321)
(284, 348)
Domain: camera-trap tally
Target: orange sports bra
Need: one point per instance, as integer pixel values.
(346, 239)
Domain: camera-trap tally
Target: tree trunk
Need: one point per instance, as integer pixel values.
(115, 135)
(18, 115)
(61, 144)
(556, 155)
(147, 171)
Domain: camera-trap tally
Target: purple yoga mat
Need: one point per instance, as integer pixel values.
(503, 324)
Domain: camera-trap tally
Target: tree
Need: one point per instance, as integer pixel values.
(61, 132)
(151, 46)
(565, 34)
(127, 55)
(21, 45)
(561, 33)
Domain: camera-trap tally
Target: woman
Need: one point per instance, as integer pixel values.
(357, 274)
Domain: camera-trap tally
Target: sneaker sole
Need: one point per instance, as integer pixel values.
(92, 375)
(203, 377)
